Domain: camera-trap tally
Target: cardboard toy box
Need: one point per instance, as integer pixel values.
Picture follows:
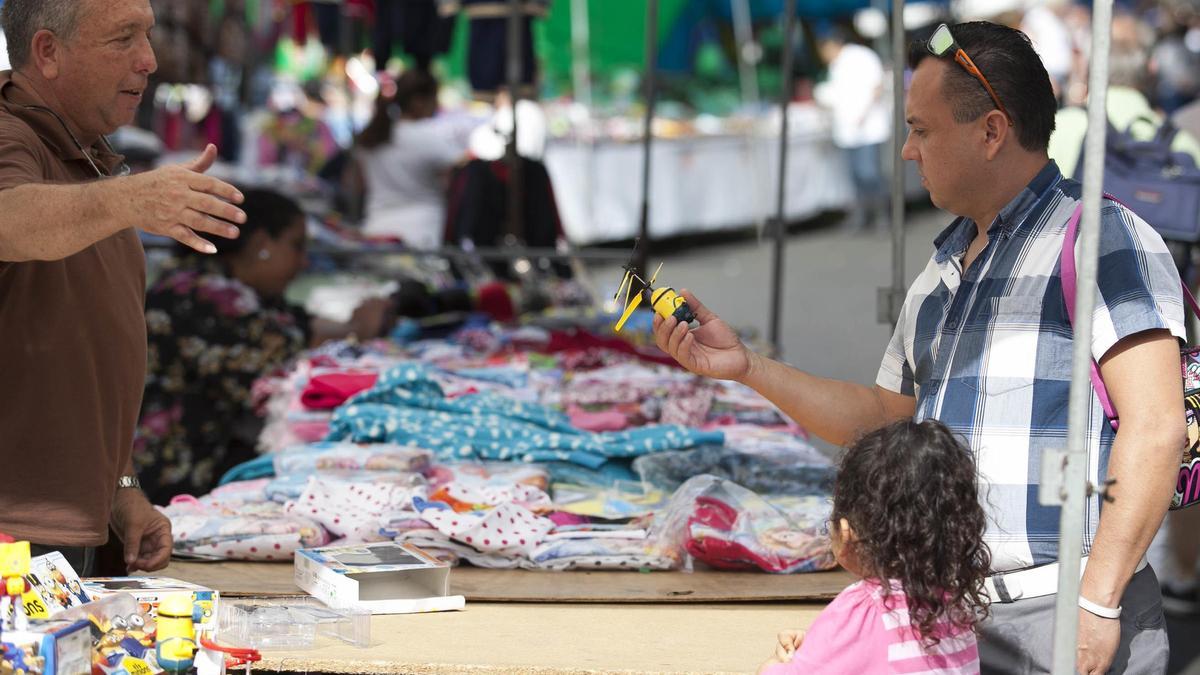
(382, 578)
(147, 591)
(53, 587)
(51, 647)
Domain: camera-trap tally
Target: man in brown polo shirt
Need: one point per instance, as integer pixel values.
(72, 274)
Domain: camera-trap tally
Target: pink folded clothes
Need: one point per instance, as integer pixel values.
(330, 390)
(605, 420)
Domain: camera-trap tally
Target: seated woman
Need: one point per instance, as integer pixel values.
(215, 325)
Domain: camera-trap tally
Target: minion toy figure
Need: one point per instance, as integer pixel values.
(175, 647)
(14, 565)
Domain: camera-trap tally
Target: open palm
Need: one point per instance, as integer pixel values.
(713, 349)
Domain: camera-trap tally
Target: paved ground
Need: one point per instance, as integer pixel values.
(828, 324)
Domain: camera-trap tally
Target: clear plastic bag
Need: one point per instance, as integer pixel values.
(290, 623)
(729, 527)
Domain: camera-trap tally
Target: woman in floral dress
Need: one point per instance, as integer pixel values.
(216, 324)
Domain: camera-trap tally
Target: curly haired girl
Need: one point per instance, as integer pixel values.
(907, 520)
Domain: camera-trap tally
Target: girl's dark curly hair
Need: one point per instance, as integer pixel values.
(909, 491)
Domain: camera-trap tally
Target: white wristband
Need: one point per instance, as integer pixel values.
(1098, 610)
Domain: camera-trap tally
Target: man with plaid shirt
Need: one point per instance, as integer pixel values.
(984, 345)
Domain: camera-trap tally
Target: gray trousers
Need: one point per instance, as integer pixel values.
(1019, 636)
(82, 559)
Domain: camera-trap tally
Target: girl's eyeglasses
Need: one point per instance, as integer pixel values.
(942, 43)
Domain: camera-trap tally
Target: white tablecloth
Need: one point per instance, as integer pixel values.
(698, 184)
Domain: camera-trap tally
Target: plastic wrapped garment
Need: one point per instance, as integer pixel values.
(774, 472)
(348, 456)
(729, 527)
(408, 407)
(612, 549)
(488, 474)
(235, 530)
(620, 500)
(288, 487)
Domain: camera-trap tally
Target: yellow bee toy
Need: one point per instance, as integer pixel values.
(14, 566)
(665, 301)
(175, 648)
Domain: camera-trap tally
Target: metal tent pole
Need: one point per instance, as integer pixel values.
(581, 71)
(650, 81)
(515, 66)
(892, 299)
(581, 63)
(780, 225)
(1065, 473)
(744, 37)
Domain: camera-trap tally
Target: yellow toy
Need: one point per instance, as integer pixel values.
(665, 301)
(14, 565)
(176, 640)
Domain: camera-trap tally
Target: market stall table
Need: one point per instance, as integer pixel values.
(565, 622)
(699, 184)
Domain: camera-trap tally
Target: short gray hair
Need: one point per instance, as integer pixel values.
(22, 19)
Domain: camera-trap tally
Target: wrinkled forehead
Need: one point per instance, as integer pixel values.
(107, 16)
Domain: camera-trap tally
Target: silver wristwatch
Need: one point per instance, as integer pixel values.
(129, 482)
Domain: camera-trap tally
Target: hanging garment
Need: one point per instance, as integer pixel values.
(301, 21)
(477, 207)
(416, 26)
(487, 55)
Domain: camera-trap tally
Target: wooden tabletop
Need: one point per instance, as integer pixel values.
(485, 585)
(518, 621)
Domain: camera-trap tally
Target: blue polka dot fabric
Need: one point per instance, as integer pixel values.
(407, 407)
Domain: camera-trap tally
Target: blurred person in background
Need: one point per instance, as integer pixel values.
(1044, 24)
(1128, 108)
(854, 95)
(1175, 58)
(216, 325)
(404, 156)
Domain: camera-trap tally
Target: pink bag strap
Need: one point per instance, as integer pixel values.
(1067, 264)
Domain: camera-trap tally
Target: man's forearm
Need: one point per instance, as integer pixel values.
(52, 222)
(1143, 462)
(836, 411)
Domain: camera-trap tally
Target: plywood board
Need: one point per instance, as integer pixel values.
(502, 638)
(483, 585)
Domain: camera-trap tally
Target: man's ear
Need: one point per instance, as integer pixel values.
(46, 54)
(996, 132)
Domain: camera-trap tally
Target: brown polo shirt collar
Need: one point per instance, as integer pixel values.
(26, 105)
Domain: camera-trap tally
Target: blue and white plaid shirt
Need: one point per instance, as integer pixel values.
(987, 351)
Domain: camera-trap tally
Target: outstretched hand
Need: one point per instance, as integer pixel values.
(712, 349)
(180, 202)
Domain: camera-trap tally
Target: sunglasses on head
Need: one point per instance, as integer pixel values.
(942, 43)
